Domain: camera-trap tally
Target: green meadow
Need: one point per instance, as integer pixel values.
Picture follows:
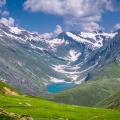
(40, 109)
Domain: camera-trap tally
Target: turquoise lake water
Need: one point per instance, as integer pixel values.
(57, 87)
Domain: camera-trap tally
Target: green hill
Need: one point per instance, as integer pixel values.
(93, 91)
(39, 109)
(6, 89)
(23, 107)
(112, 101)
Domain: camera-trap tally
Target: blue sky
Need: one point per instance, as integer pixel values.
(43, 16)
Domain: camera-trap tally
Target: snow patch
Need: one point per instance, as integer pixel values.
(15, 30)
(56, 41)
(56, 80)
(77, 38)
(70, 73)
(74, 55)
(35, 47)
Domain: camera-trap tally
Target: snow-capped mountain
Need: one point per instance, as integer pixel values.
(30, 62)
(94, 39)
(17, 33)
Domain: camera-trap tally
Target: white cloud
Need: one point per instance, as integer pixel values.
(74, 11)
(66, 8)
(117, 26)
(90, 27)
(5, 13)
(2, 3)
(3, 10)
(8, 22)
(58, 30)
(112, 5)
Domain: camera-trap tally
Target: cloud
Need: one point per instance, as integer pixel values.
(5, 13)
(3, 10)
(74, 11)
(117, 26)
(58, 30)
(112, 5)
(2, 3)
(90, 27)
(66, 8)
(8, 22)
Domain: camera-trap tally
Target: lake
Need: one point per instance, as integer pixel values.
(57, 87)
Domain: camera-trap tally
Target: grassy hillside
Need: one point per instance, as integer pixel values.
(112, 101)
(40, 109)
(6, 89)
(93, 91)
(23, 107)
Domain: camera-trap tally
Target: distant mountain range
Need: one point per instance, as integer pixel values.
(29, 62)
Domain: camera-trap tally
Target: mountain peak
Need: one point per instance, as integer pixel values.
(17, 33)
(118, 31)
(4, 27)
(98, 32)
(76, 32)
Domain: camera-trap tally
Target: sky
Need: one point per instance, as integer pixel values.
(50, 17)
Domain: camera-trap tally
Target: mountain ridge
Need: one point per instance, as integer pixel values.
(34, 62)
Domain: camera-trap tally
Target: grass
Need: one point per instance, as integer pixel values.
(21, 106)
(40, 109)
(113, 101)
